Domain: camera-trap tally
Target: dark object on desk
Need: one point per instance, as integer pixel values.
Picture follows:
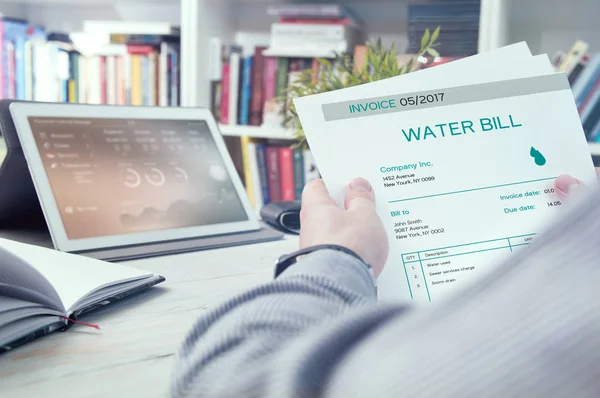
(18, 198)
(285, 216)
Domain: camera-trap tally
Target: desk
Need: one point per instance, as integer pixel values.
(133, 353)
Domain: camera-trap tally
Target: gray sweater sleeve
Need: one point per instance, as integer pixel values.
(529, 328)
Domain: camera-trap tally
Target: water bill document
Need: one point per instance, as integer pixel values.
(463, 164)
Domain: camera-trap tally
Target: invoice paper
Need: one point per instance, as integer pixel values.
(463, 174)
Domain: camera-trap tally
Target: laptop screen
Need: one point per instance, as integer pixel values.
(118, 176)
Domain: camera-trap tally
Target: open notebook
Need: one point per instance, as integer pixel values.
(42, 290)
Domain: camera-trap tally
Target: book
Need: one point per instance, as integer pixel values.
(43, 290)
(463, 165)
(273, 170)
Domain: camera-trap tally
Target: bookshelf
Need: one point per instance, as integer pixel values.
(546, 25)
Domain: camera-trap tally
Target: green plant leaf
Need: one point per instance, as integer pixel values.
(425, 38)
(435, 35)
(324, 62)
(342, 71)
(433, 52)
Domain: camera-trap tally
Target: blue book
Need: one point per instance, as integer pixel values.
(595, 134)
(246, 91)
(146, 80)
(174, 93)
(37, 33)
(261, 160)
(584, 84)
(589, 110)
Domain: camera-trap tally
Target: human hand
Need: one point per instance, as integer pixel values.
(356, 227)
(565, 185)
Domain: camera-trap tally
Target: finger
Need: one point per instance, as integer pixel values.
(598, 172)
(565, 186)
(315, 193)
(359, 194)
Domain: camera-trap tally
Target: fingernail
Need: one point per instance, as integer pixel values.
(572, 188)
(567, 184)
(360, 185)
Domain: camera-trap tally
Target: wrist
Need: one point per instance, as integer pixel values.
(289, 260)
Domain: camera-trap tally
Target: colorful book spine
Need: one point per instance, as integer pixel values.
(247, 166)
(103, 91)
(287, 173)
(20, 40)
(225, 88)
(270, 79)
(282, 76)
(261, 160)
(246, 91)
(175, 71)
(257, 100)
(298, 173)
(274, 174)
(582, 87)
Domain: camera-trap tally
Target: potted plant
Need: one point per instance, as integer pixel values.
(381, 63)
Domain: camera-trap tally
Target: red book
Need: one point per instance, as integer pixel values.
(257, 101)
(103, 88)
(225, 95)
(274, 173)
(270, 79)
(139, 49)
(286, 165)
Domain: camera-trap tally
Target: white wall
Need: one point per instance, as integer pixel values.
(12, 10)
(551, 25)
(67, 17)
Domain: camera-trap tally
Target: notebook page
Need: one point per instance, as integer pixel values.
(71, 275)
(21, 281)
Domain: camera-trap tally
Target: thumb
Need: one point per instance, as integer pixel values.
(359, 194)
(566, 186)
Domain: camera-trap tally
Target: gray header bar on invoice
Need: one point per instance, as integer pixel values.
(445, 96)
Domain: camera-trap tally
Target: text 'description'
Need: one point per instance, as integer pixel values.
(436, 98)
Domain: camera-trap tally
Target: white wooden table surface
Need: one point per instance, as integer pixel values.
(133, 353)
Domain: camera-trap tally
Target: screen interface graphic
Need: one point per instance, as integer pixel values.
(118, 176)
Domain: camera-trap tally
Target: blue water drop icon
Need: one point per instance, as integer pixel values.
(537, 156)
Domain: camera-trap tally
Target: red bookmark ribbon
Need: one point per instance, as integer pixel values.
(90, 325)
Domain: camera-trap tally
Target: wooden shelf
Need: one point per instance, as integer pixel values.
(274, 133)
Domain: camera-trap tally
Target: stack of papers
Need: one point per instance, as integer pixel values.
(462, 157)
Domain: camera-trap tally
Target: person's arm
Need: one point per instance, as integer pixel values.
(232, 348)
(529, 328)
